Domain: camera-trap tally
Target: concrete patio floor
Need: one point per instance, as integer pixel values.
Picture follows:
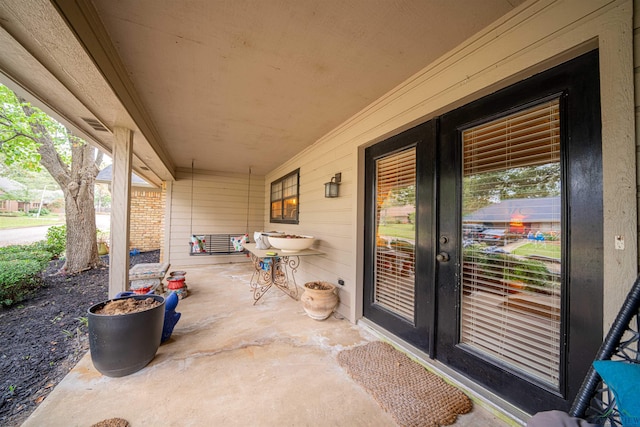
(232, 363)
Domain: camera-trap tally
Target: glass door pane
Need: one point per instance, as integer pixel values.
(394, 272)
(512, 249)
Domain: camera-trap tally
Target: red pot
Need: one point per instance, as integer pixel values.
(175, 282)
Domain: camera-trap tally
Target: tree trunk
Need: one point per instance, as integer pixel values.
(82, 245)
(77, 182)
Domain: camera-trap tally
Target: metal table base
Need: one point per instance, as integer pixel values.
(277, 270)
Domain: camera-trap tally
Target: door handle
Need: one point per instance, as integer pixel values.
(442, 257)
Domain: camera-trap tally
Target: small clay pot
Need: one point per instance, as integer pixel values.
(319, 299)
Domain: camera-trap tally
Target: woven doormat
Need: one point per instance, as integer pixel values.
(405, 389)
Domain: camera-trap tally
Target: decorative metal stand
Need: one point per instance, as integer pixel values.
(278, 270)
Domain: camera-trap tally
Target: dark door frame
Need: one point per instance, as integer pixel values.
(436, 328)
(420, 333)
(576, 82)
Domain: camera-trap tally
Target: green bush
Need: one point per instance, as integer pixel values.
(19, 278)
(13, 249)
(43, 211)
(509, 267)
(56, 240)
(20, 270)
(41, 256)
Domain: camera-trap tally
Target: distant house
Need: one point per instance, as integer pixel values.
(8, 190)
(16, 197)
(397, 214)
(520, 215)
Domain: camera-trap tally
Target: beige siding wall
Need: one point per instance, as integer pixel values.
(534, 37)
(218, 206)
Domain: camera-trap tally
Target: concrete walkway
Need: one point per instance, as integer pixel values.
(230, 363)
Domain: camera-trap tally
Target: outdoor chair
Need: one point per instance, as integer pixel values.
(616, 400)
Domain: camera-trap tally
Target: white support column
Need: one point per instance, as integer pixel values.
(120, 211)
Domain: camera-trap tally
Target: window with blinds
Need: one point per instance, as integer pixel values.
(395, 233)
(511, 228)
(284, 198)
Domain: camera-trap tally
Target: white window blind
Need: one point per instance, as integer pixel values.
(528, 138)
(510, 304)
(395, 233)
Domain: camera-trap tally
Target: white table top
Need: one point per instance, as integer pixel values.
(154, 270)
(262, 253)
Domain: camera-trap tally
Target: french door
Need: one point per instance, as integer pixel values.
(484, 236)
(400, 198)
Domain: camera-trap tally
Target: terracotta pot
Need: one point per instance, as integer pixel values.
(319, 299)
(123, 344)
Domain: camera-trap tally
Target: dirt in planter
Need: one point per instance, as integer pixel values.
(317, 286)
(127, 306)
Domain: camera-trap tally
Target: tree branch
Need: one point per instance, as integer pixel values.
(17, 135)
(49, 157)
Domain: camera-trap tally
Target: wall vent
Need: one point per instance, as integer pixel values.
(96, 125)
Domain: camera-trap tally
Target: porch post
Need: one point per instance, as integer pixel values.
(120, 211)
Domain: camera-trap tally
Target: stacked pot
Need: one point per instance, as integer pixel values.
(176, 283)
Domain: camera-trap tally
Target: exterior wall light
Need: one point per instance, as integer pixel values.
(331, 187)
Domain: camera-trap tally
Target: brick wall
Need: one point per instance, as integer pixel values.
(147, 219)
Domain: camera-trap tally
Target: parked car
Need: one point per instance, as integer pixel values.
(472, 231)
(493, 236)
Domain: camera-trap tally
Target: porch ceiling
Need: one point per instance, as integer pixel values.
(229, 84)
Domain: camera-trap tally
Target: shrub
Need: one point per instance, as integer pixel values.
(18, 279)
(13, 249)
(500, 265)
(56, 239)
(43, 211)
(32, 253)
(20, 270)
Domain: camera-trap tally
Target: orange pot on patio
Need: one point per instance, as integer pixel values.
(175, 282)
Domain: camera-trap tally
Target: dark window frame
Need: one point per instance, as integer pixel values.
(280, 182)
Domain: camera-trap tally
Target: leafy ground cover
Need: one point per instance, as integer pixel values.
(43, 337)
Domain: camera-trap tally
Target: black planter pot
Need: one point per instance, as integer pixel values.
(123, 344)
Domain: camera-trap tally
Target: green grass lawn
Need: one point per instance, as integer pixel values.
(405, 231)
(29, 221)
(545, 249)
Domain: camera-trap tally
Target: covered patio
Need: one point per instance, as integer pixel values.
(230, 362)
(219, 103)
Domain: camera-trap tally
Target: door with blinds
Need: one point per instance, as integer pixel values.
(512, 258)
(484, 236)
(520, 194)
(398, 262)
